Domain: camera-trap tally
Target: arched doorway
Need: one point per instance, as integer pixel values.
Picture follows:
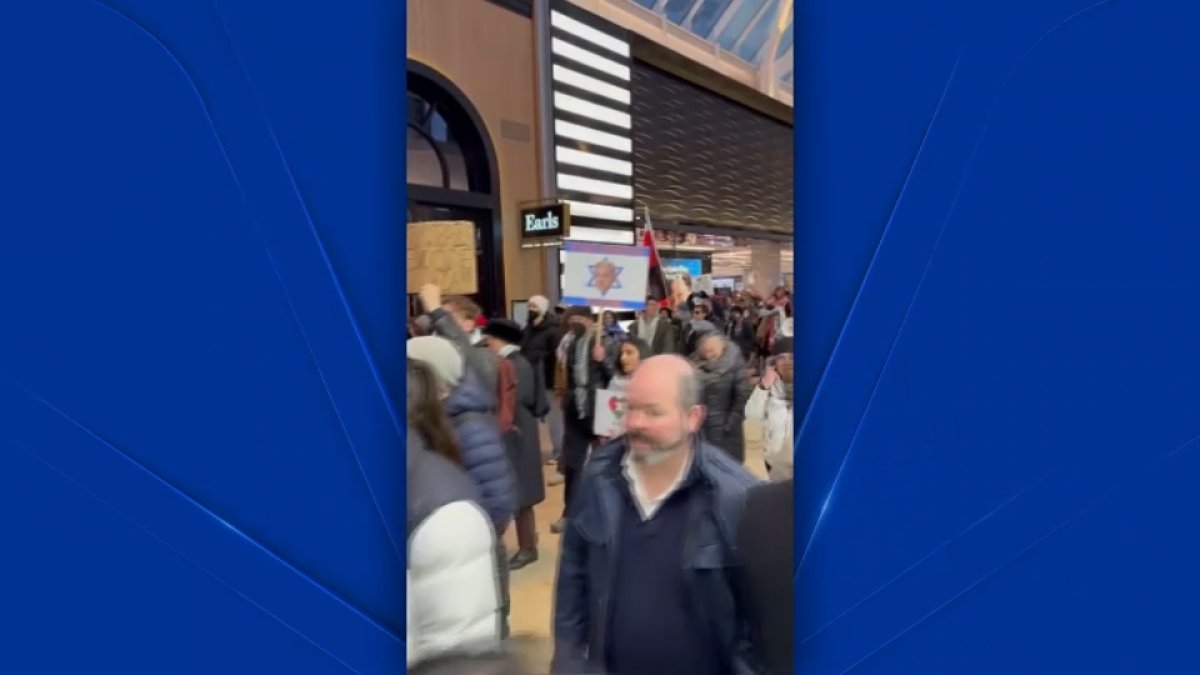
(453, 173)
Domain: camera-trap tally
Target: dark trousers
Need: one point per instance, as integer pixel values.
(577, 439)
(570, 480)
(502, 579)
(526, 530)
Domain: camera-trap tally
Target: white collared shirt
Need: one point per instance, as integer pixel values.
(633, 475)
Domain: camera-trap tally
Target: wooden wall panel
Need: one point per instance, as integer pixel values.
(488, 52)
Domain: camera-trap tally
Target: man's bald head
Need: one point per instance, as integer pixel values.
(668, 367)
(663, 412)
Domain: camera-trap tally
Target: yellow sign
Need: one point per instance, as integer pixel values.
(442, 252)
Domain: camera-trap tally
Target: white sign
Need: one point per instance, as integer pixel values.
(704, 282)
(605, 275)
(610, 413)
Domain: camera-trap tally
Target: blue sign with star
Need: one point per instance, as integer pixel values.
(616, 275)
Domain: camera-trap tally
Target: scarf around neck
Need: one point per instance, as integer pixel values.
(581, 374)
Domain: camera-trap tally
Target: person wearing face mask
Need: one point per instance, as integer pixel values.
(587, 358)
(539, 341)
(772, 404)
(647, 577)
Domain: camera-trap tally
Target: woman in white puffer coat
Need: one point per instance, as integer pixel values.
(453, 585)
(772, 403)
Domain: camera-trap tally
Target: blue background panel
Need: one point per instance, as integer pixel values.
(201, 458)
(998, 290)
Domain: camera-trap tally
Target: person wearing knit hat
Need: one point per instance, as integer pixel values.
(470, 406)
(539, 342)
(442, 356)
(539, 304)
(523, 442)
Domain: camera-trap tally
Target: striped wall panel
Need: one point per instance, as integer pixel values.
(590, 71)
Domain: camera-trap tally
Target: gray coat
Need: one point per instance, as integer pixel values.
(433, 482)
(478, 357)
(726, 390)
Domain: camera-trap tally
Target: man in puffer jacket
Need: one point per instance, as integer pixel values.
(468, 405)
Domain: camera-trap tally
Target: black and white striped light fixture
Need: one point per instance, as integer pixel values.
(590, 70)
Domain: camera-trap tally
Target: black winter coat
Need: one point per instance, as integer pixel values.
(524, 444)
(538, 345)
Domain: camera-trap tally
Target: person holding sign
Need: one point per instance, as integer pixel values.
(586, 354)
(610, 401)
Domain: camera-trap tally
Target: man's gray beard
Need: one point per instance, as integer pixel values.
(658, 455)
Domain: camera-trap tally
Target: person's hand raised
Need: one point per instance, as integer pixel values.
(431, 297)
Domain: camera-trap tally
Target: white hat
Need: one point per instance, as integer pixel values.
(540, 303)
(441, 355)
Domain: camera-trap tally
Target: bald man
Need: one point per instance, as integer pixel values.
(647, 579)
(605, 273)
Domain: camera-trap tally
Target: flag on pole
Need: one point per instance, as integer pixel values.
(656, 281)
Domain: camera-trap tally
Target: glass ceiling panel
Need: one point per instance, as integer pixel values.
(744, 28)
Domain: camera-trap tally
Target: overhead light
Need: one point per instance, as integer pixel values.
(618, 214)
(587, 83)
(599, 235)
(592, 161)
(586, 32)
(595, 187)
(599, 113)
(590, 59)
(600, 138)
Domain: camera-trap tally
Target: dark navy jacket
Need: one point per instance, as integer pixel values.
(587, 563)
(469, 408)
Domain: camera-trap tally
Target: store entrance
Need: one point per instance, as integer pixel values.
(453, 175)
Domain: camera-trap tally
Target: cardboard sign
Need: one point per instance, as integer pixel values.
(610, 413)
(442, 252)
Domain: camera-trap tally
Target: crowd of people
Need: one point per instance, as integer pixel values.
(674, 558)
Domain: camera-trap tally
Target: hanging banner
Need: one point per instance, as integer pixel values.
(442, 252)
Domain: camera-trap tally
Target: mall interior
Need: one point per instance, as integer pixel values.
(679, 112)
(672, 114)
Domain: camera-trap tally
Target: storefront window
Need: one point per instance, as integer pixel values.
(435, 158)
(732, 263)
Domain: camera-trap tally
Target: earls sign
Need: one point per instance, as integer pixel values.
(545, 225)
